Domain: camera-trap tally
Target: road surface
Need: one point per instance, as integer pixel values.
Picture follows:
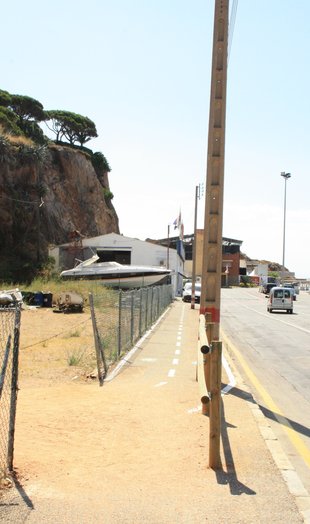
(276, 352)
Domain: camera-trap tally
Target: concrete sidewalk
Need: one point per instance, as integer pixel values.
(151, 448)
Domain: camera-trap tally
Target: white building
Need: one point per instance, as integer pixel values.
(124, 250)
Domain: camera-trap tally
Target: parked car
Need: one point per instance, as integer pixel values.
(187, 292)
(291, 286)
(280, 298)
(267, 287)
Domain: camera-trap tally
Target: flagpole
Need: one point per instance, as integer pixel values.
(194, 252)
(168, 247)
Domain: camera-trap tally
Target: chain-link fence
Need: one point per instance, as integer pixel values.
(120, 318)
(9, 347)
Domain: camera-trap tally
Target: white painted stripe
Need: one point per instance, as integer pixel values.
(194, 410)
(171, 372)
(179, 337)
(160, 384)
(175, 361)
(177, 352)
(178, 344)
(130, 353)
(231, 378)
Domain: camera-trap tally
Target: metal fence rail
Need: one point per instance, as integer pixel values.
(9, 348)
(120, 318)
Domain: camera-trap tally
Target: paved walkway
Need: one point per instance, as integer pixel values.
(149, 447)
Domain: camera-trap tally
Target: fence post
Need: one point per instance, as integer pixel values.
(215, 404)
(132, 318)
(152, 305)
(208, 328)
(146, 308)
(203, 351)
(98, 347)
(119, 323)
(14, 389)
(140, 314)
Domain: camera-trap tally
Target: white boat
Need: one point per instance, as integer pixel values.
(114, 274)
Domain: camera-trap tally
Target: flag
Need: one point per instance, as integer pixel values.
(182, 231)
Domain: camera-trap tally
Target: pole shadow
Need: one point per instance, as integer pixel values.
(230, 476)
(272, 415)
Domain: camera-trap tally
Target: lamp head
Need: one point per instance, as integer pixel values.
(286, 175)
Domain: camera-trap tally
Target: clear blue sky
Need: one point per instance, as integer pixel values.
(140, 69)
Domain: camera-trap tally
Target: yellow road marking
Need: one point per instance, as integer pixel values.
(300, 447)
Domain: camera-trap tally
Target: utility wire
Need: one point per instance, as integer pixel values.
(33, 202)
(232, 21)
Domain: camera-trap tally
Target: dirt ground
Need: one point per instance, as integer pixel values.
(136, 449)
(75, 439)
(55, 347)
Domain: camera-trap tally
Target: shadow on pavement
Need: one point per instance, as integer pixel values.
(276, 417)
(230, 476)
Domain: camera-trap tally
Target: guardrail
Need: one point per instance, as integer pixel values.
(209, 376)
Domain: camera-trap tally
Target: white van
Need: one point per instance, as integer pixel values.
(280, 298)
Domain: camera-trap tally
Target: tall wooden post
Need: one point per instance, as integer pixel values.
(168, 246)
(194, 251)
(212, 240)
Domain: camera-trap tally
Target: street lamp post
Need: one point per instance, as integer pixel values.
(286, 176)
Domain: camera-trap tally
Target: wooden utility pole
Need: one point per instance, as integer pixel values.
(212, 239)
(194, 251)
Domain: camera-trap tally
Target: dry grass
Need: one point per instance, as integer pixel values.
(55, 347)
(16, 140)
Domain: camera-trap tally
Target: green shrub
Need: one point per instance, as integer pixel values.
(108, 195)
(100, 163)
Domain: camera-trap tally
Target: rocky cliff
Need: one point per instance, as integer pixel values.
(46, 193)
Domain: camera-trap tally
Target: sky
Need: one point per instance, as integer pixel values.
(141, 70)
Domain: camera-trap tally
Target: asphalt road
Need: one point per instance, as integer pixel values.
(272, 352)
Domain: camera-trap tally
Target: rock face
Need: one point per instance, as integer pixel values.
(43, 199)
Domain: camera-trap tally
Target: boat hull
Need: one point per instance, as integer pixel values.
(122, 281)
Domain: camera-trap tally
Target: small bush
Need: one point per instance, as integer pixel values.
(74, 359)
(100, 163)
(108, 195)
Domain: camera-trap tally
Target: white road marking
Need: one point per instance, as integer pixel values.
(276, 318)
(177, 352)
(194, 410)
(171, 373)
(148, 359)
(231, 378)
(160, 384)
(126, 359)
(175, 361)
(178, 343)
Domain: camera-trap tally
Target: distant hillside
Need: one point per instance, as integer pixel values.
(272, 266)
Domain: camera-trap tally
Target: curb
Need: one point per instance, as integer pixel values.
(287, 470)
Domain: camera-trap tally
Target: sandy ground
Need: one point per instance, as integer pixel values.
(136, 449)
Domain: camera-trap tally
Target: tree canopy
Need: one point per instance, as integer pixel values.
(8, 121)
(73, 127)
(27, 108)
(22, 115)
(5, 98)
